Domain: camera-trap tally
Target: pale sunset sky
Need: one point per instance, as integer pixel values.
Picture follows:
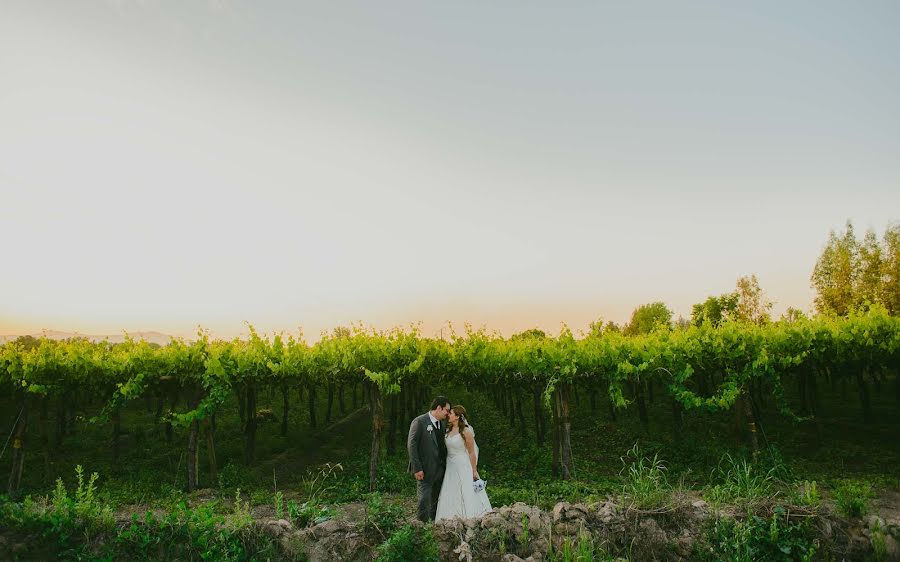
(172, 163)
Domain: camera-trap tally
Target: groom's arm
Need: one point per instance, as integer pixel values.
(412, 445)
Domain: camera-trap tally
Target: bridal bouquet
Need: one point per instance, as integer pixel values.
(479, 485)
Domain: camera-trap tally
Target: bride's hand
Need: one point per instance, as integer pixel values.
(475, 475)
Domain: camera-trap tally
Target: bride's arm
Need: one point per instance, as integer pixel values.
(469, 440)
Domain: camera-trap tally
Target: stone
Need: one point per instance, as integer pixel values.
(684, 546)
(274, 531)
(558, 510)
(606, 512)
(327, 528)
(874, 522)
(566, 529)
(892, 548)
(892, 527)
(464, 551)
(337, 547)
(565, 511)
(491, 520)
(827, 531)
(652, 532)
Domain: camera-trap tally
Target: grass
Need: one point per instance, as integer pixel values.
(852, 497)
(645, 485)
(753, 538)
(739, 481)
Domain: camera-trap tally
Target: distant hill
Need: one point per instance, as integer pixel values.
(152, 337)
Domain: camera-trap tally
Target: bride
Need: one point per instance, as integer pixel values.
(458, 497)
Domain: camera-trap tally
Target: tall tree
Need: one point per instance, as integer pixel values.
(715, 309)
(752, 305)
(890, 269)
(870, 269)
(834, 276)
(598, 328)
(792, 315)
(648, 317)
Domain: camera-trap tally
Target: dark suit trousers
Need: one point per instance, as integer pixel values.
(428, 499)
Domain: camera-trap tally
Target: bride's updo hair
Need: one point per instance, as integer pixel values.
(463, 415)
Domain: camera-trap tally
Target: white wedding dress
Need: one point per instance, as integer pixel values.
(458, 498)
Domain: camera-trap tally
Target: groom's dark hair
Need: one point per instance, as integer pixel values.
(439, 402)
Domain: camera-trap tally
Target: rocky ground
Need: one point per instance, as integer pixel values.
(522, 532)
(525, 533)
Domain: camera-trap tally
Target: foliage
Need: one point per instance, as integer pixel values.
(319, 481)
(308, 513)
(715, 310)
(234, 475)
(852, 497)
(736, 354)
(240, 515)
(581, 548)
(807, 494)
(409, 544)
(752, 305)
(647, 318)
(646, 485)
(850, 274)
(382, 518)
(278, 502)
(879, 543)
(757, 538)
(738, 480)
(189, 533)
(79, 526)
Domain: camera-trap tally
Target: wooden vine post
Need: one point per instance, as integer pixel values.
(540, 424)
(563, 442)
(864, 398)
(18, 449)
(285, 407)
(193, 448)
(744, 419)
(376, 407)
(252, 424)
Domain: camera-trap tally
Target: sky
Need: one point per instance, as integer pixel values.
(167, 164)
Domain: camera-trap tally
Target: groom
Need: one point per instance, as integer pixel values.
(428, 455)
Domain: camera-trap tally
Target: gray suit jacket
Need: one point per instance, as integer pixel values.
(427, 450)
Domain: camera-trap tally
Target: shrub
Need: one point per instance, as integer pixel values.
(306, 514)
(852, 497)
(84, 508)
(234, 476)
(409, 544)
(278, 501)
(757, 538)
(187, 534)
(240, 516)
(807, 494)
(382, 519)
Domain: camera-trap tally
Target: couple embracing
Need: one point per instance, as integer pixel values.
(443, 457)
